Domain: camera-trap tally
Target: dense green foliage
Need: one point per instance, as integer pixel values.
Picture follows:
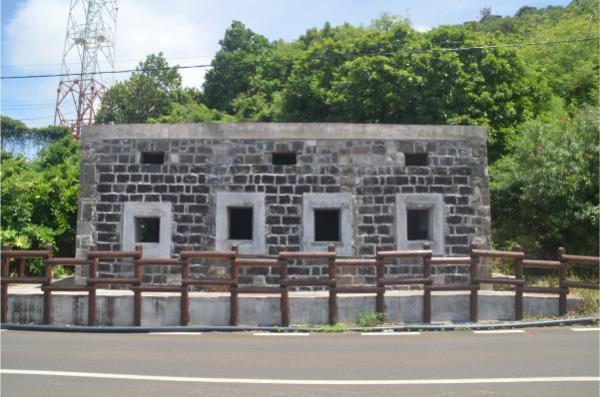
(538, 102)
(234, 66)
(571, 71)
(377, 74)
(148, 93)
(192, 112)
(39, 198)
(546, 190)
(153, 94)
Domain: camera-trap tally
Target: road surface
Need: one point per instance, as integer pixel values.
(535, 362)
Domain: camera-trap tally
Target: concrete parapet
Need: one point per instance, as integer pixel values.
(115, 307)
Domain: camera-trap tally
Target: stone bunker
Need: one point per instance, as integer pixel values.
(301, 185)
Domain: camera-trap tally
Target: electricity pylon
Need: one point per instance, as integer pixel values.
(89, 49)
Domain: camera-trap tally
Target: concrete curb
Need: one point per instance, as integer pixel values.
(404, 328)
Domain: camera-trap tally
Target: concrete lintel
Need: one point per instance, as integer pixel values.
(295, 131)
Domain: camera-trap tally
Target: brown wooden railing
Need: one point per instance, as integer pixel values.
(17, 260)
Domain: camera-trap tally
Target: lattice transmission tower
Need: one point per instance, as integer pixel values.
(89, 49)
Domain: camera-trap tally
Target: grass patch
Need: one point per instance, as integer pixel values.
(503, 267)
(369, 319)
(590, 299)
(327, 328)
(589, 305)
(590, 302)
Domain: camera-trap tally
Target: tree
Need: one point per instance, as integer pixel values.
(11, 127)
(485, 12)
(148, 93)
(39, 198)
(192, 113)
(344, 80)
(570, 70)
(234, 65)
(305, 96)
(16, 137)
(545, 191)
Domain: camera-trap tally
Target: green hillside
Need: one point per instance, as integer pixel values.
(531, 79)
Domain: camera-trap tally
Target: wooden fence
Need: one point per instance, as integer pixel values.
(13, 264)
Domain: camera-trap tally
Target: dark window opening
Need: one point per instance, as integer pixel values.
(152, 158)
(147, 230)
(418, 224)
(327, 225)
(240, 223)
(416, 159)
(284, 158)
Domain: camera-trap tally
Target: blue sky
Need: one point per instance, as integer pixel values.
(188, 32)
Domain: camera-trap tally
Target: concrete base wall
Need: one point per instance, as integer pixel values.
(115, 308)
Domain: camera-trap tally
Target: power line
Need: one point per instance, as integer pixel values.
(27, 102)
(129, 61)
(291, 60)
(18, 107)
(125, 61)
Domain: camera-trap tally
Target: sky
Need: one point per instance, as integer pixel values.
(188, 33)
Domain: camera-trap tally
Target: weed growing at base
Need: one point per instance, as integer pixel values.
(369, 319)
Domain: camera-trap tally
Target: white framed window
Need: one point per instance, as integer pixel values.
(327, 219)
(419, 220)
(241, 221)
(148, 224)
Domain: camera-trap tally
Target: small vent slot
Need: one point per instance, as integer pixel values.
(416, 159)
(284, 158)
(152, 158)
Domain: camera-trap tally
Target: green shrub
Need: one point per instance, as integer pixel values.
(545, 191)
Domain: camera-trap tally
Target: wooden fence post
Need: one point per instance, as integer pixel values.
(332, 288)
(518, 288)
(562, 277)
(473, 298)
(427, 291)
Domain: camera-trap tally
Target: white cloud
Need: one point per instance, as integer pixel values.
(146, 27)
(422, 28)
(36, 33)
(34, 37)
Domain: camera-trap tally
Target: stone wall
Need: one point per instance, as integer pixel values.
(371, 171)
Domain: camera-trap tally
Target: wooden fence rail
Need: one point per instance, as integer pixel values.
(16, 259)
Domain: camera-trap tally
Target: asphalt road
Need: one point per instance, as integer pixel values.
(537, 362)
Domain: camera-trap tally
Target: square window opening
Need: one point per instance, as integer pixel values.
(152, 158)
(284, 158)
(416, 159)
(147, 230)
(327, 225)
(418, 224)
(240, 223)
